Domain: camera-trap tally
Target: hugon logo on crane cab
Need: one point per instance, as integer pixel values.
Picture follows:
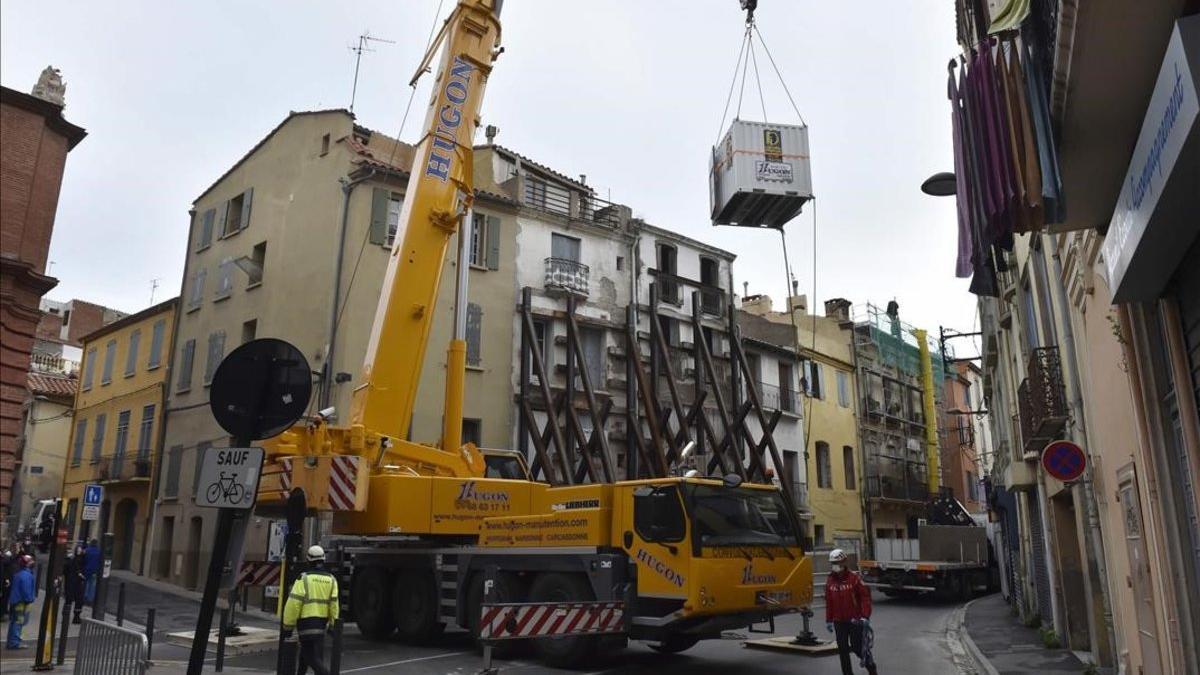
(441, 155)
(469, 493)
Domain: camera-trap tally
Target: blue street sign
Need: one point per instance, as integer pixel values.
(93, 494)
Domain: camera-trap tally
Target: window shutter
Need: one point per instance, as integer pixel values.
(474, 326)
(820, 381)
(493, 243)
(206, 228)
(156, 343)
(222, 215)
(110, 354)
(379, 211)
(187, 360)
(80, 434)
(171, 486)
(247, 200)
(89, 369)
(98, 437)
(135, 339)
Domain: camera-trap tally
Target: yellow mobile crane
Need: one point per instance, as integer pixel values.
(694, 556)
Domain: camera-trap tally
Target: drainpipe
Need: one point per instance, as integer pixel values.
(1092, 533)
(327, 368)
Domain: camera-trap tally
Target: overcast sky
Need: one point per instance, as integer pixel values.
(628, 92)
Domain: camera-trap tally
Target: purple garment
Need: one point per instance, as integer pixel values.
(983, 279)
(999, 161)
(962, 267)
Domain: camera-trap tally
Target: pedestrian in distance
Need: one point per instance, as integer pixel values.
(311, 610)
(91, 570)
(848, 613)
(73, 582)
(20, 596)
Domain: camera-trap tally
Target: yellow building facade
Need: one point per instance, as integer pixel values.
(833, 457)
(116, 435)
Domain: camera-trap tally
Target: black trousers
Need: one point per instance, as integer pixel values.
(312, 655)
(849, 641)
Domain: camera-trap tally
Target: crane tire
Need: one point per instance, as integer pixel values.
(415, 601)
(371, 600)
(569, 651)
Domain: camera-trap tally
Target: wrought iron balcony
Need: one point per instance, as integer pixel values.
(895, 488)
(567, 276)
(1042, 400)
(123, 469)
(775, 398)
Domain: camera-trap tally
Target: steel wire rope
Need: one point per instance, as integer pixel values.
(758, 81)
(778, 74)
(403, 121)
(733, 84)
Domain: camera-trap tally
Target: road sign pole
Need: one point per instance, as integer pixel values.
(100, 606)
(45, 644)
(209, 601)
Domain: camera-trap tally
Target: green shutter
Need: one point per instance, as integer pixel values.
(493, 243)
(379, 209)
(247, 199)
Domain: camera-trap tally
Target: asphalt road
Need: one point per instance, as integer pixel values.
(911, 636)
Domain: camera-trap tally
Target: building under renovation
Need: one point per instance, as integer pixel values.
(897, 368)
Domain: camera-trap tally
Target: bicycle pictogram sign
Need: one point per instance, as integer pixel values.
(229, 477)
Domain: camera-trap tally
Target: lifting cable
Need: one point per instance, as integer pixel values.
(747, 58)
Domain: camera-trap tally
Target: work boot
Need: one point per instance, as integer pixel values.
(871, 670)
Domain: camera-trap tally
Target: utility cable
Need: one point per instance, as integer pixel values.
(779, 75)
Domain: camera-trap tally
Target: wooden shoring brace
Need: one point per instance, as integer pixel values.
(693, 415)
(539, 366)
(656, 461)
(752, 395)
(590, 450)
(706, 363)
(541, 441)
(599, 437)
(660, 343)
(739, 422)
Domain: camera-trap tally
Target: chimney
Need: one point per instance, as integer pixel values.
(490, 131)
(838, 308)
(758, 305)
(583, 179)
(798, 302)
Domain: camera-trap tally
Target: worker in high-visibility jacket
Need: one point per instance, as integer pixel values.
(311, 610)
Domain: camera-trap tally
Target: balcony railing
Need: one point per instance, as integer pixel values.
(573, 204)
(891, 487)
(1042, 400)
(123, 469)
(567, 276)
(774, 398)
(52, 363)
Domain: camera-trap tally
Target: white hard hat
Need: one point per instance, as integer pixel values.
(837, 555)
(315, 553)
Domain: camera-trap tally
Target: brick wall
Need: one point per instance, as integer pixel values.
(36, 142)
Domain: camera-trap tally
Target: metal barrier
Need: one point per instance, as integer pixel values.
(105, 649)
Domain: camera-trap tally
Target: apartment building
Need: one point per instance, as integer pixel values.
(116, 432)
(829, 405)
(959, 464)
(774, 365)
(1090, 335)
(44, 438)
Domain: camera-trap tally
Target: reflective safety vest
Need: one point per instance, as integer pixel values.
(312, 604)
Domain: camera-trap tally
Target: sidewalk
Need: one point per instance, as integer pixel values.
(1003, 645)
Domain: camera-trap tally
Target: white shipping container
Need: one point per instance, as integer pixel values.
(759, 175)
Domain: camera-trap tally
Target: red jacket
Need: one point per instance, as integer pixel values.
(846, 597)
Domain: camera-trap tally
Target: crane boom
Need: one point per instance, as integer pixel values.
(439, 194)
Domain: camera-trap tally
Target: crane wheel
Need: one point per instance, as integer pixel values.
(415, 606)
(370, 598)
(563, 652)
(675, 643)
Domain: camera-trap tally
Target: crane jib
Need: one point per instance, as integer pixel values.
(449, 119)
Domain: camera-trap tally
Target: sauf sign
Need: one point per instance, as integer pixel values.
(229, 477)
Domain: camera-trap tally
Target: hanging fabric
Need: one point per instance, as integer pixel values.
(1009, 16)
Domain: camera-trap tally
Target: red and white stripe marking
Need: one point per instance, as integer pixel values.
(343, 482)
(285, 475)
(516, 621)
(258, 573)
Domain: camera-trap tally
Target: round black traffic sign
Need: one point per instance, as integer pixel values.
(260, 389)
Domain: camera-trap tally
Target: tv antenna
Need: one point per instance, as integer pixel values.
(153, 288)
(364, 41)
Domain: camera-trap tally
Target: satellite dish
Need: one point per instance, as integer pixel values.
(260, 389)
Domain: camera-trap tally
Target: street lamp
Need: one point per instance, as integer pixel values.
(939, 185)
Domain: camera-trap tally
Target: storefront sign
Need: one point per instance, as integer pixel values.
(1139, 227)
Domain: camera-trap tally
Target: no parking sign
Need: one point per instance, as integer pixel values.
(1064, 460)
